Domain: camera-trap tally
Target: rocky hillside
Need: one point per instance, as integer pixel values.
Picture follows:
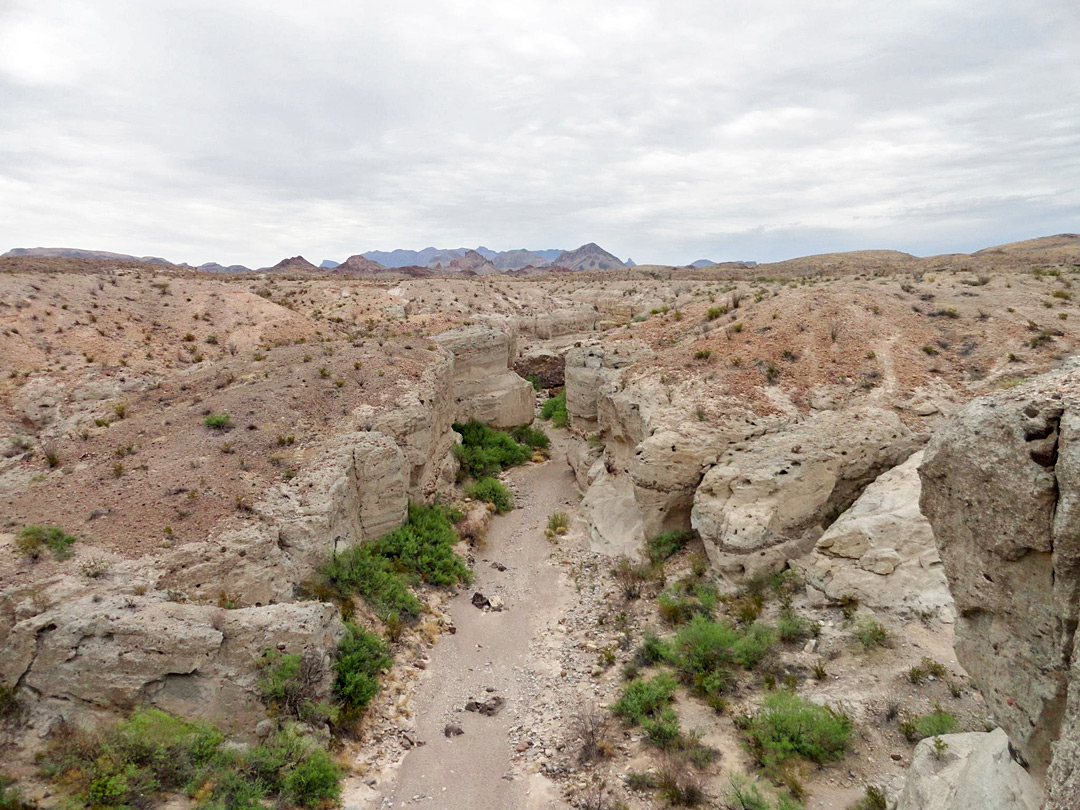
(588, 257)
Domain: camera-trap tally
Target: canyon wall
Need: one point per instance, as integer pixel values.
(1001, 489)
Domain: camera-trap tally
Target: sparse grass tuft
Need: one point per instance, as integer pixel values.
(494, 492)
(33, 539)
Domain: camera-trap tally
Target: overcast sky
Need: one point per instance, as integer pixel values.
(243, 131)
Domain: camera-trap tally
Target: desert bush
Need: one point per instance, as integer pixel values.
(744, 795)
(678, 785)
(788, 727)
(494, 492)
(791, 627)
(420, 549)
(591, 727)
(132, 763)
(662, 546)
(869, 634)
(873, 799)
(289, 684)
(643, 699)
(218, 421)
(706, 653)
(31, 540)
(558, 523)
(555, 409)
(11, 797)
(485, 451)
(361, 657)
(530, 436)
(932, 724)
(630, 576)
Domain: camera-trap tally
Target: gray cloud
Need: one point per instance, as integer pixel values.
(246, 131)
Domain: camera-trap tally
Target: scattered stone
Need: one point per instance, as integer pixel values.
(480, 601)
(453, 730)
(488, 708)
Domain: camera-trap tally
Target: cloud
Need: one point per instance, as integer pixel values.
(246, 131)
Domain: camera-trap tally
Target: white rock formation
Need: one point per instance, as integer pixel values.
(485, 388)
(882, 550)
(975, 772)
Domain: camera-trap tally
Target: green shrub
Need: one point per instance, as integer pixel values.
(493, 491)
(643, 699)
(424, 546)
(131, 763)
(791, 627)
(869, 633)
(218, 421)
(10, 796)
(290, 683)
(555, 409)
(788, 727)
(934, 724)
(420, 549)
(530, 436)
(662, 728)
(707, 652)
(558, 522)
(535, 380)
(653, 650)
(32, 539)
(485, 451)
(361, 571)
(314, 781)
(744, 795)
(664, 545)
(362, 656)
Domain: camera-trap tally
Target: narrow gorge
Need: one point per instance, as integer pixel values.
(658, 538)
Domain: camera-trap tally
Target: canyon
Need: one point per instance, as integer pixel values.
(874, 451)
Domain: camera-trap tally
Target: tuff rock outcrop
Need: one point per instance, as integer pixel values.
(1001, 488)
(882, 550)
(975, 772)
(770, 499)
(485, 388)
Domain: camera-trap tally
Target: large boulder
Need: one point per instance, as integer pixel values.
(1001, 488)
(768, 500)
(974, 772)
(485, 388)
(115, 651)
(882, 550)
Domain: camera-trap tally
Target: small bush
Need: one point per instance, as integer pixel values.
(11, 797)
(32, 539)
(485, 451)
(494, 492)
(590, 726)
(934, 724)
(130, 764)
(664, 545)
(218, 421)
(788, 727)
(873, 799)
(530, 436)
(362, 656)
(662, 728)
(791, 627)
(558, 523)
(869, 633)
(290, 683)
(643, 699)
(630, 576)
(555, 409)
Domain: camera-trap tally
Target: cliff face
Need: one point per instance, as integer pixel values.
(1001, 488)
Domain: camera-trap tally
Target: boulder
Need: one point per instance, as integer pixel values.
(881, 550)
(1001, 489)
(768, 500)
(484, 387)
(587, 367)
(108, 652)
(975, 772)
(544, 364)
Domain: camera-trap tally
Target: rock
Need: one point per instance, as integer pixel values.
(192, 660)
(882, 551)
(489, 708)
(480, 601)
(589, 365)
(976, 772)
(453, 730)
(484, 387)
(769, 500)
(1001, 489)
